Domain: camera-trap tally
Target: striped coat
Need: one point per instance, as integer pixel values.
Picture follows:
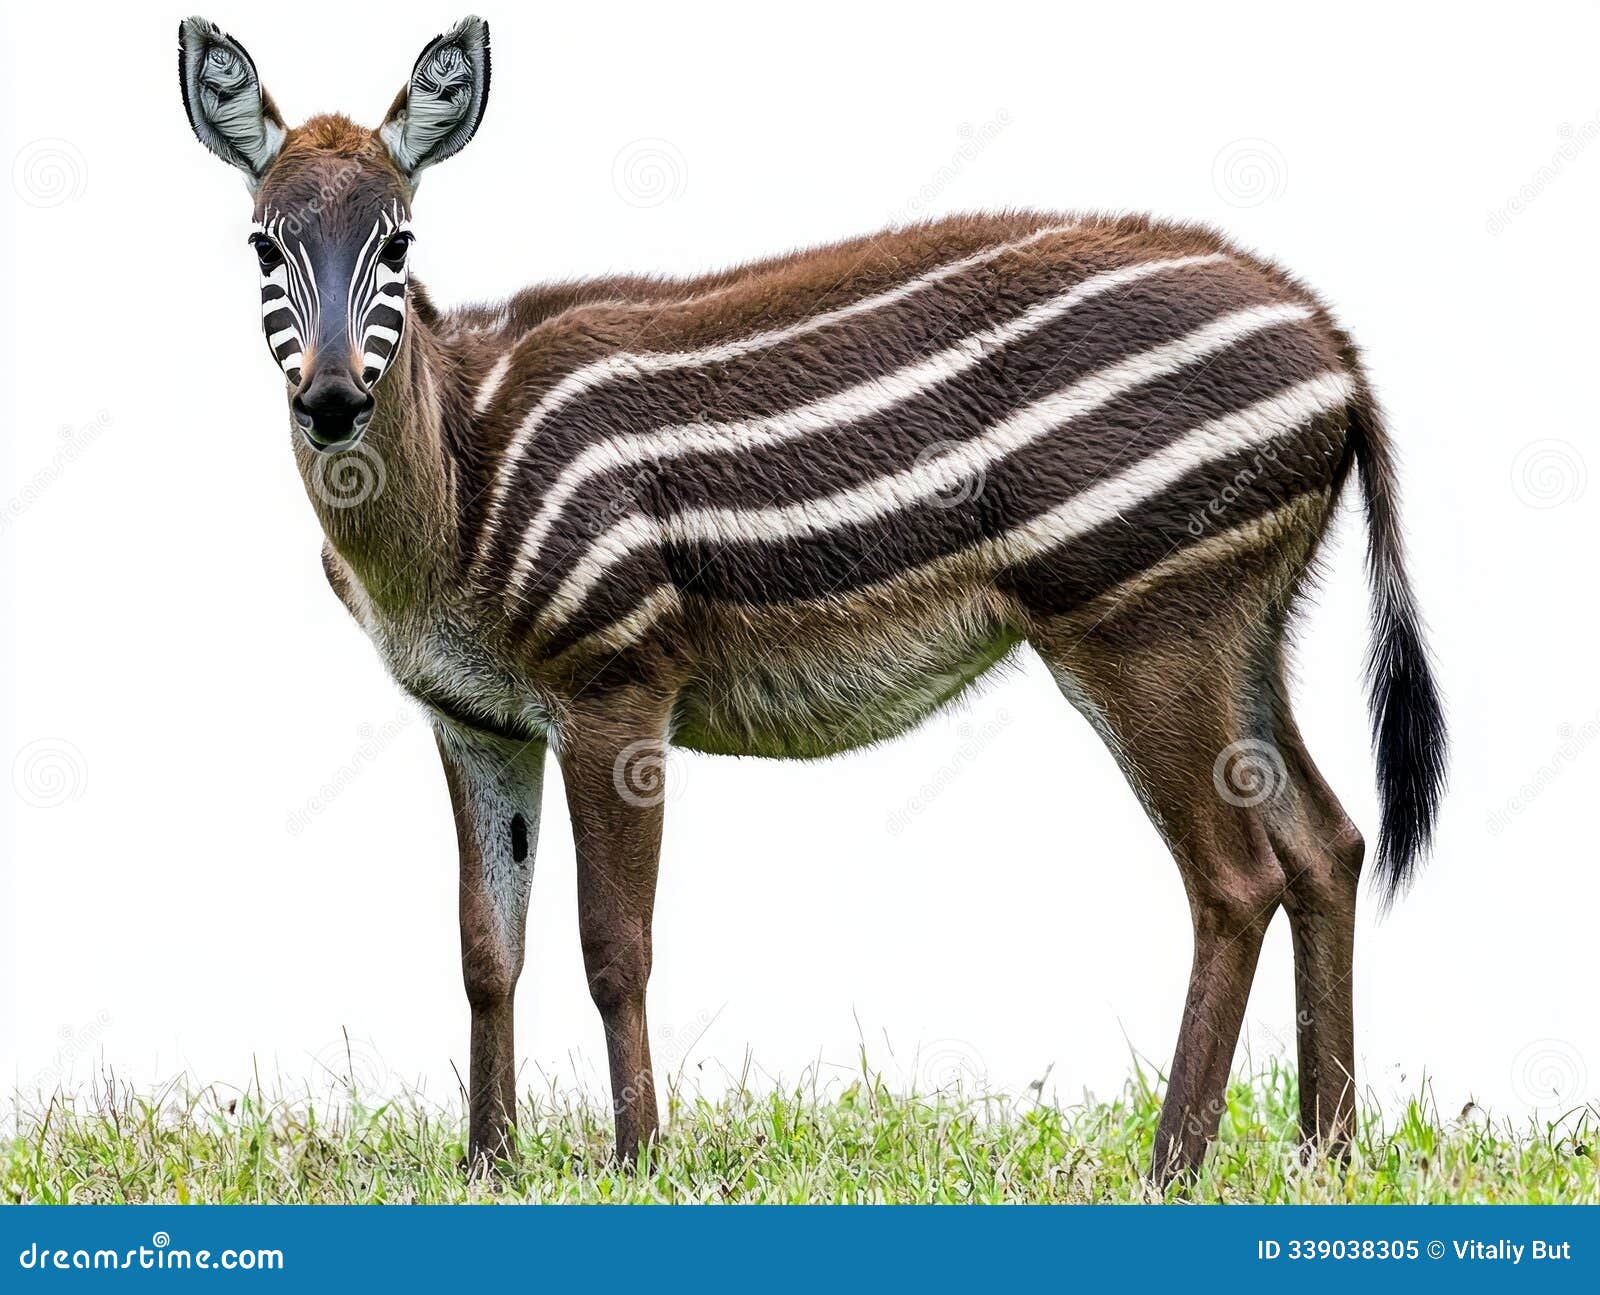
(970, 427)
(793, 507)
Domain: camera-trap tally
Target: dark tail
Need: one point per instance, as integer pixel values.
(1408, 730)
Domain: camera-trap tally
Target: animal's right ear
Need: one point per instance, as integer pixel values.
(230, 112)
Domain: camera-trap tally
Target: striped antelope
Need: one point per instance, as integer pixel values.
(795, 507)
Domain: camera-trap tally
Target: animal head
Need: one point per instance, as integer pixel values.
(332, 227)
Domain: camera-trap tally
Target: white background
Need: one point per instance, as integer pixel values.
(232, 842)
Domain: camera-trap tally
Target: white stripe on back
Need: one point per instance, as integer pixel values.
(865, 399)
(491, 383)
(639, 363)
(1100, 504)
(922, 481)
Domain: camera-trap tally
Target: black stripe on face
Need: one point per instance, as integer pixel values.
(287, 348)
(384, 316)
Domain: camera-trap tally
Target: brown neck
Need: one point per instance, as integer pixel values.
(388, 504)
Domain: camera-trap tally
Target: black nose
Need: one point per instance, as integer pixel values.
(332, 410)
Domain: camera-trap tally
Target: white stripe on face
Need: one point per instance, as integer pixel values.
(864, 400)
(372, 287)
(905, 489)
(1101, 504)
(633, 364)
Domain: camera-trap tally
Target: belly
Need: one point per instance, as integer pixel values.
(803, 693)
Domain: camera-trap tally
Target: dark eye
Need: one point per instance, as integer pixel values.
(266, 252)
(394, 251)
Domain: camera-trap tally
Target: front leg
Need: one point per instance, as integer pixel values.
(612, 755)
(495, 787)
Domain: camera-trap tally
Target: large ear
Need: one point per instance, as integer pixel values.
(230, 112)
(440, 108)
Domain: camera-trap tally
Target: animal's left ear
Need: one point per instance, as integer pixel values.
(440, 108)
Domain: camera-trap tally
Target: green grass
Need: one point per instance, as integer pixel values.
(854, 1142)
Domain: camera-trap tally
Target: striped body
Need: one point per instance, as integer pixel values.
(941, 436)
(791, 508)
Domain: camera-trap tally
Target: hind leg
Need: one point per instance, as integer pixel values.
(1322, 853)
(1178, 670)
(1170, 711)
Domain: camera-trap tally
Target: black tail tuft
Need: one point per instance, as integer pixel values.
(1408, 728)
